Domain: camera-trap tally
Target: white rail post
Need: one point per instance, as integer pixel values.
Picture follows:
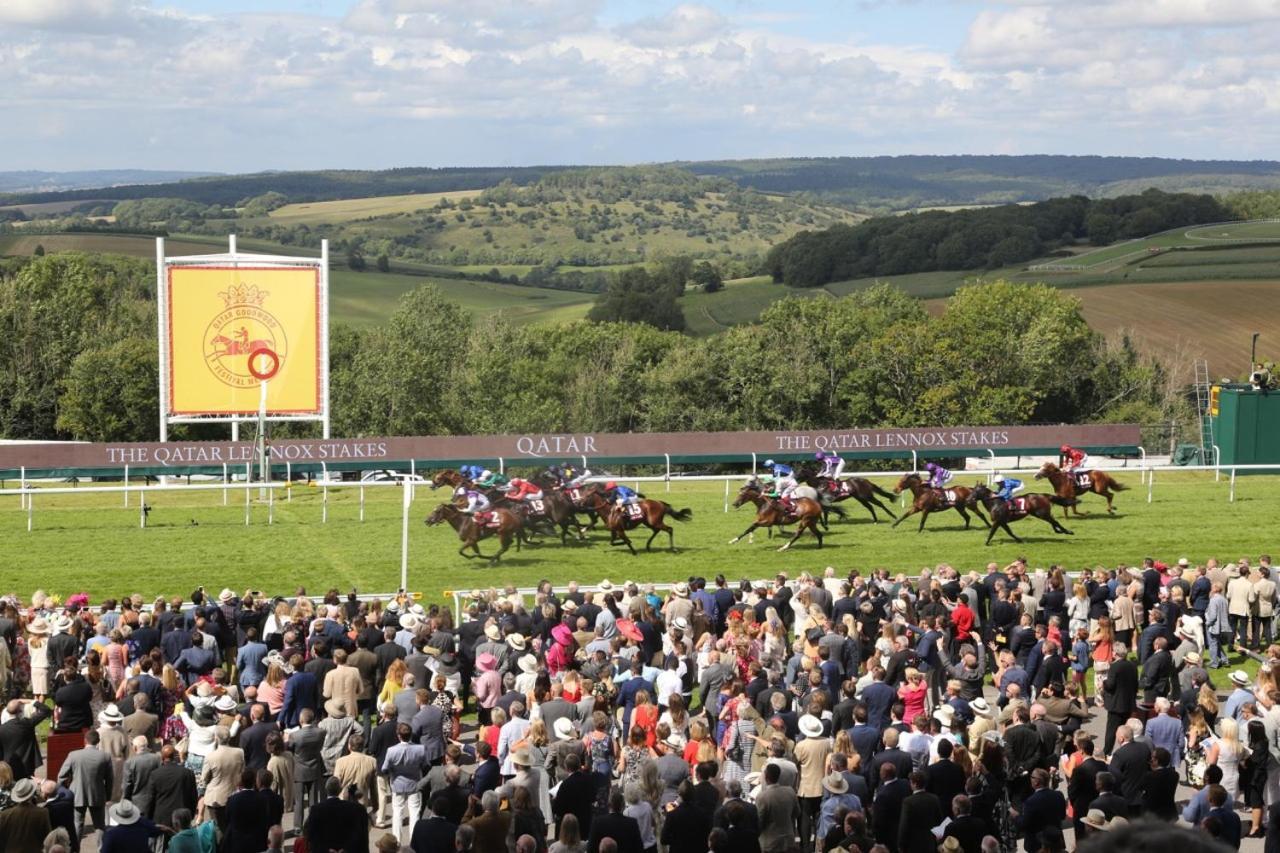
(753, 464)
(502, 465)
(271, 505)
(362, 501)
(1142, 473)
(324, 507)
(1151, 481)
(992, 473)
(22, 484)
(31, 508)
(248, 481)
(126, 486)
(1232, 499)
(1217, 464)
(404, 539)
(288, 479)
(726, 494)
(224, 484)
(668, 456)
(142, 511)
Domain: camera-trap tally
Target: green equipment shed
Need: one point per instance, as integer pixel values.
(1246, 425)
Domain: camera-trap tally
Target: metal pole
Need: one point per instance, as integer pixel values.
(271, 506)
(362, 501)
(753, 464)
(1233, 486)
(31, 508)
(224, 484)
(235, 429)
(288, 479)
(324, 510)
(992, 473)
(915, 463)
(231, 243)
(247, 479)
(142, 512)
(126, 487)
(324, 332)
(1217, 464)
(1151, 481)
(502, 465)
(404, 540)
(668, 455)
(162, 311)
(726, 494)
(22, 484)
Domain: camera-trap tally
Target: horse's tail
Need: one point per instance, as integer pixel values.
(884, 493)
(836, 510)
(1117, 485)
(1060, 501)
(677, 514)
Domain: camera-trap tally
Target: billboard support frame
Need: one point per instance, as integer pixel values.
(234, 258)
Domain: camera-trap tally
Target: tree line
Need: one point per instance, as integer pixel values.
(78, 361)
(986, 238)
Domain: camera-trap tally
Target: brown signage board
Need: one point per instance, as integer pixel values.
(515, 449)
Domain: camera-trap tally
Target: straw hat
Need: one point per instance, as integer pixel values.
(225, 596)
(810, 726)
(563, 728)
(23, 790)
(528, 663)
(493, 632)
(945, 714)
(393, 606)
(335, 708)
(110, 714)
(124, 813)
(522, 757)
(605, 585)
(61, 625)
(835, 783)
(225, 704)
(516, 640)
(1095, 819)
(1240, 678)
(1183, 562)
(680, 623)
(409, 622)
(569, 605)
(38, 626)
(1192, 658)
(680, 590)
(675, 740)
(980, 707)
(950, 844)
(1116, 822)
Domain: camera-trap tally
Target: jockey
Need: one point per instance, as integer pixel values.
(768, 485)
(622, 494)
(938, 476)
(476, 501)
(523, 490)
(779, 470)
(562, 473)
(833, 465)
(579, 480)
(491, 480)
(1072, 459)
(1007, 487)
(471, 472)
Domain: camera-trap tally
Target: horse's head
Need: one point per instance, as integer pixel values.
(439, 514)
(747, 494)
(980, 493)
(1048, 469)
(908, 481)
(443, 478)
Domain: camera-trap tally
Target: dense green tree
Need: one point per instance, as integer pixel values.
(383, 263)
(110, 393)
(707, 277)
(636, 296)
(355, 259)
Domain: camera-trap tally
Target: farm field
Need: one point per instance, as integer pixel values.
(135, 246)
(345, 210)
(92, 543)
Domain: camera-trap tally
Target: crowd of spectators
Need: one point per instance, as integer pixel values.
(954, 712)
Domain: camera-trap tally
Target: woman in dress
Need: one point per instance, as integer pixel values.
(1103, 640)
(676, 716)
(1077, 609)
(117, 659)
(271, 688)
(913, 693)
(634, 754)
(37, 645)
(740, 742)
(570, 840)
(644, 716)
(393, 683)
(1255, 776)
(602, 753)
(1227, 752)
(1199, 735)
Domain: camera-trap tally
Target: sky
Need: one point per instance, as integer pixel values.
(247, 85)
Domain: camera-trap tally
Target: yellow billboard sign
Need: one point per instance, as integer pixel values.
(229, 328)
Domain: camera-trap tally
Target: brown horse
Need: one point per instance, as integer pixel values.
(619, 519)
(833, 491)
(506, 525)
(553, 510)
(1003, 512)
(929, 499)
(805, 514)
(752, 493)
(448, 477)
(1073, 484)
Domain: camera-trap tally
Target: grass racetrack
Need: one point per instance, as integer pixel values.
(91, 542)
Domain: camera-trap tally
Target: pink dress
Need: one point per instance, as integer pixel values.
(913, 699)
(116, 659)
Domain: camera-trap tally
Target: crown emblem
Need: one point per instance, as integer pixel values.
(243, 294)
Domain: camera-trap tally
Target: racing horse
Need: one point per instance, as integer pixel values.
(1073, 484)
(833, 491)
(448, 477)
(555, 509)
(503, 523)
(1003, 512)
(806, 513)
(577, 495)
(929, 499)
(652, 514)
(753, 493)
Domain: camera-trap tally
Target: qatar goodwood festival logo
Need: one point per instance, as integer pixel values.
(243, 339)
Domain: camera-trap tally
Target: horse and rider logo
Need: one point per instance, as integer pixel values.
(244, 331)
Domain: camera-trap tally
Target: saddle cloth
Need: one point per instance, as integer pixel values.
(1018, 507)
(949, 496)
(537, 507)
(1082, 480)
(633, 511)
(488, 519)
(575, 495)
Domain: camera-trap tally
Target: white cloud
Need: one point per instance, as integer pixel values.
(686, 24)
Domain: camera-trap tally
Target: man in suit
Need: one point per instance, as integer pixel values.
(137, 774)
(1108, 801)
(920, 813)
(427, 727)
(1119, 695)
(557, 708)
(220, 775)
(1220, 807)
(249, 660)
(337, 824)
(1082, 787)
(946, 779)
(1159, 675)
(686, 826)
(1045, 808)
(879, 697)
(886, 809)
(864, 737)
(300, 694)
(1159, 788)
(576, 795)
(488, 775)
(253, 738)
(433, 831)
(19, 747)
(403, 765)
(381, 739)
(748, 817)
(24, 824)
(899, 759)
(343, 684)
(622, 829)
(778, 808)
(141, 723)
(358, 770)
(1129, 764)
(88, 774)
(965, 828)
(171, 787)
(246, 817)
(306, 742)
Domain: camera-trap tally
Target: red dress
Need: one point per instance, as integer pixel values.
(646, 717)
(913, 699)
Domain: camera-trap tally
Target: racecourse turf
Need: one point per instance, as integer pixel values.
(91, 542)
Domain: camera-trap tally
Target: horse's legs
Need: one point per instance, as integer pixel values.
(1009, 530)
(924, 516)
(905, 516)
(1053, 522)
(964, 515)
(800, 529)
(751, 529)
(671, 537)
(649, 541)
(866, 504)
(1106, 493)
(875, 500)
(817, 533)
(505, 540)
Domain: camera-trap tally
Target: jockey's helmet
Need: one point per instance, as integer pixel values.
(999, 478)
(769, 463)
(611, 485)
(819, 455)
(459, 492)
(1065, 448)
